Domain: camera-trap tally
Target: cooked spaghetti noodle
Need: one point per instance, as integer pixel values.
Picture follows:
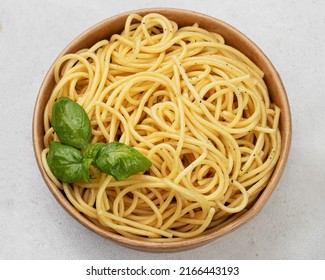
(196, 107)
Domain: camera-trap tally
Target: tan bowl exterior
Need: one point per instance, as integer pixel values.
(232, 37)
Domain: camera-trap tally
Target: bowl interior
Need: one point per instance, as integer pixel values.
(232, 37)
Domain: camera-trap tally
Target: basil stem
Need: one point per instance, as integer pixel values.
(93, 149)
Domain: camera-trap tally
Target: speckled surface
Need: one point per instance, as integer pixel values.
(290, 226)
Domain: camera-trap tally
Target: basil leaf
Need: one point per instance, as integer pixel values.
(120, 160)
(93, 149)
(67, 163)
(71, 123)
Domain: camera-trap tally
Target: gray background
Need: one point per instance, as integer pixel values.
(290, 226)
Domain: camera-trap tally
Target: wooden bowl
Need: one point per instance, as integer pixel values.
(232, 37)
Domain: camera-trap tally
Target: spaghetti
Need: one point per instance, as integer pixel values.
(196, 107)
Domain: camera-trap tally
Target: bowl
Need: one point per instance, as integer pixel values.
(232, 37)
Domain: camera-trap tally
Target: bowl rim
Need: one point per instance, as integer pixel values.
(193, 242)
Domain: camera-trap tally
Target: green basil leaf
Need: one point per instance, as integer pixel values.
(120, 160)
(93, 149)
(71, 123)
(67, 163)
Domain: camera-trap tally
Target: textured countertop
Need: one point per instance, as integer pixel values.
(290, 226)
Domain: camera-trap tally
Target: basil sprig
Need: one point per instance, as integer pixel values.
(70, 165)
